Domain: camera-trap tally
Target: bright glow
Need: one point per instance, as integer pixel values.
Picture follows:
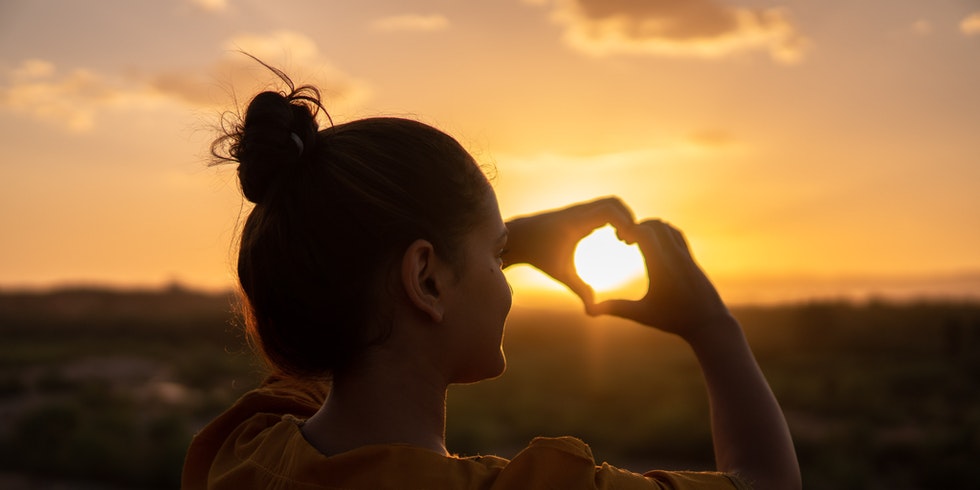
(606, 263)
(971, 25)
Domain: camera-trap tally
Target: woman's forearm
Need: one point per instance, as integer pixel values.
(750, 434)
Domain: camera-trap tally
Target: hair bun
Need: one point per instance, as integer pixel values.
(277, 132)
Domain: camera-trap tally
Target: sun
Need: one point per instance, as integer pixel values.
(606, 263)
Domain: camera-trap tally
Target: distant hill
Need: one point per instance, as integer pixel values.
(102, 309)
(775, 289)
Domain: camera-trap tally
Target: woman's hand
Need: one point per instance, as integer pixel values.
(547, 240)
(680, 298)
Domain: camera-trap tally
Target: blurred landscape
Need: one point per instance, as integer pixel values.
(104, 388)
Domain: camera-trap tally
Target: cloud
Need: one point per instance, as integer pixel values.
(922, 27)
(295, 53)
(711, 138)
(37, 88)
(75, 98)
(210, 5)
(412, 22)
(276, 45)
(970, 25)
(688, 28)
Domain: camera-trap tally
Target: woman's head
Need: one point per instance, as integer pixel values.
(334, 210)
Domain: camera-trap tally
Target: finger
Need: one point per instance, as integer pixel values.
(680, 242)
(632, 310)
(651, 245)
(673, 245)
(609, 210)
(581, 289)
(617, 213)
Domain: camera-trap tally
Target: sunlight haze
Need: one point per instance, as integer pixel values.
(804, 147)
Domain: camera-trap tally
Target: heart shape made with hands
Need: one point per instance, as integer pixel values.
(614, 269)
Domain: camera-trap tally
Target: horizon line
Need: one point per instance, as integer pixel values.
(737, 291)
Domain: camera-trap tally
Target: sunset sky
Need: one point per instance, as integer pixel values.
(821, 139)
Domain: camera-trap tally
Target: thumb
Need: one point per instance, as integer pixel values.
(617, 307)
(582, 290)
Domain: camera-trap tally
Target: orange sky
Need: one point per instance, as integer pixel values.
(830, 141)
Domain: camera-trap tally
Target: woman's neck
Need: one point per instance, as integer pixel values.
(381, 404)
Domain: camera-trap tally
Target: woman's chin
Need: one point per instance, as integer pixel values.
(490, 370)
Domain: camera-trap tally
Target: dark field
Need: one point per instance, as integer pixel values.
(103, 389)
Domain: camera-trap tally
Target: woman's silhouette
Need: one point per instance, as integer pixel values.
(371, 267)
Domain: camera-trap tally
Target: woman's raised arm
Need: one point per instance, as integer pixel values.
(750, 435)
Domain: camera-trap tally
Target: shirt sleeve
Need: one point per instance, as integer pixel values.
(567, 463)
(697, 479)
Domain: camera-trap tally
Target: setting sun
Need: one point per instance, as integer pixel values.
(606, 263)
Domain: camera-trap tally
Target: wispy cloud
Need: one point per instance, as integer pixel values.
(922, 27)
(210, 5)
(712, 138)
(72, 99)
(75, 98)
(691, 28)
(298, 55)
(411, 22)
(970, 25)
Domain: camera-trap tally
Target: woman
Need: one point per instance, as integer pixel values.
(372, 263)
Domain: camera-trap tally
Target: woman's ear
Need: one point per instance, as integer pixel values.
(421, 279)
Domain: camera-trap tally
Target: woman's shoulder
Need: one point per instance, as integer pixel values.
(251, 416)
(269, 451)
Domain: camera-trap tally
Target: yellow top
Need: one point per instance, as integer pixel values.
(257, 444)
